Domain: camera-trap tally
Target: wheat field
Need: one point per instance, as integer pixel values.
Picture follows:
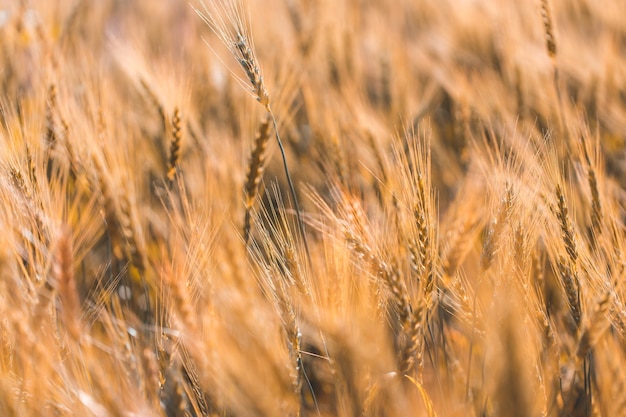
(312, 208)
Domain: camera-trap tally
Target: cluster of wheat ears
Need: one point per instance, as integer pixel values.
(312, 208)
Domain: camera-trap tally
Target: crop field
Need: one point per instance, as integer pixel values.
(303, 208)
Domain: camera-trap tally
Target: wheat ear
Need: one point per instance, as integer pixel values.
(66, 284)
(255, 172)
(496, 228)
(592, 180)
(548, 28)
(567, 266)
(177, 136)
